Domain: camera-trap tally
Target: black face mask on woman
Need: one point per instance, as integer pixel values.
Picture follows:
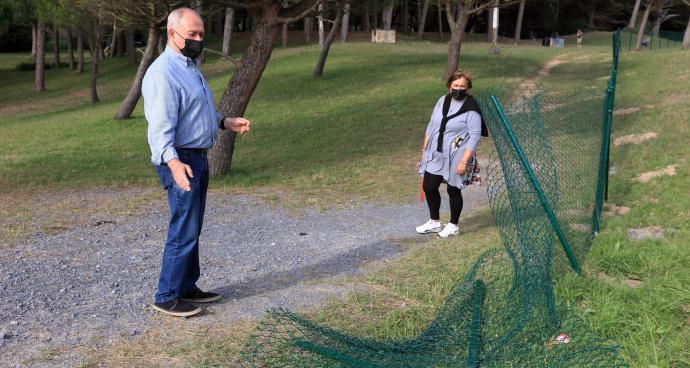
(192, 48)
(458, 94)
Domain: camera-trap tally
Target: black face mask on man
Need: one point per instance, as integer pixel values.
(192, 48)
(458, 94)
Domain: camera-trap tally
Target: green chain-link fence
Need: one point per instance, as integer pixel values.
(547, 183)
(655, 40)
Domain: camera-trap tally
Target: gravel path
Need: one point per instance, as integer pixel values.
(93, 282)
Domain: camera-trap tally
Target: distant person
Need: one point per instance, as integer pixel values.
(646, 41)
(556, 40)
(182, 126)
(450, 142)
(578, 36)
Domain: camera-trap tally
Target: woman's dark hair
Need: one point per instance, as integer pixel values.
(460, 74)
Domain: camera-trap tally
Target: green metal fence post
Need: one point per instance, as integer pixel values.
(611, 100)
(603, 161)
(537, 187)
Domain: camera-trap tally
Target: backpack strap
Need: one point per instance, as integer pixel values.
(444, 121)
(470, 104)
(446, 104)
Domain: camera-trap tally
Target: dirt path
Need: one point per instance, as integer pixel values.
(90, 282)
(528, 87)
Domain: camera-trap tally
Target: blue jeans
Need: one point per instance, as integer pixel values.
(180, 267)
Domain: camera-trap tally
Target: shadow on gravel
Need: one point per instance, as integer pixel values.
(345, 263)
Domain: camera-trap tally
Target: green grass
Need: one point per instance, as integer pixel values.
(650, 322)
(366, 115)
(355, 132)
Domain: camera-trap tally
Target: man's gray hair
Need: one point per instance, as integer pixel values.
(175, 16)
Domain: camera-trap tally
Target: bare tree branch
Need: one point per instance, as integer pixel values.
(297, 11)
(229, 58)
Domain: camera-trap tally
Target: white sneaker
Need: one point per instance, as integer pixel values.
(431, 226)
(449, 230)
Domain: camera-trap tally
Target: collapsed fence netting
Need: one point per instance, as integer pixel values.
(547, 182)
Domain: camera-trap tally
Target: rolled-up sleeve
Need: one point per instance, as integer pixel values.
(161, 103)
(474, 128)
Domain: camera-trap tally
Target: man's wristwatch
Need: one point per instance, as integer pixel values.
(221, 123)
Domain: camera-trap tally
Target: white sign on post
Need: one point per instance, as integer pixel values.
(495, 20)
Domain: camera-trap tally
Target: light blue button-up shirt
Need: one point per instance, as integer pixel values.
(178, 105)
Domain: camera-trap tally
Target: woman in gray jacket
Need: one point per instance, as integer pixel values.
(450, 142)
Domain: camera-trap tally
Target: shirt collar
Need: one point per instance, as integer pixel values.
(179, 57)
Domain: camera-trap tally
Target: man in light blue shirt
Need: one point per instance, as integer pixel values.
(182, 126)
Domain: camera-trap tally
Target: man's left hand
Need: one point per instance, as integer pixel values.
(238, 125)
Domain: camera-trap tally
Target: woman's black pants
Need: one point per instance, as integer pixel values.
(433, 197)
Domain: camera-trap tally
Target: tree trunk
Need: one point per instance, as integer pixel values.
(94, 80)
(686, 36)
(329, 40)
(557, 15)
(243, 83)
(227, 30)
(308, 25)
(657, 26)
(421, 21)
(345, 24)
(640, 33)
(419, 13)
(70, 49)
(366, 17)
(591, 12)
(56, 47)
(219, 23)
(161, 43)
(95, 46)
(115, 49)
(405, 15)
(40, 82)
(113, 39)
(457, 29)
(80, 52)
(198, 6)
(120, 44)
(440, 20)
(34, 40)
(131, 48)
(490, 20)
(388, 15)
(518, 24)
(134, 93)
(284, 28)
(321, 30)
(633, 17)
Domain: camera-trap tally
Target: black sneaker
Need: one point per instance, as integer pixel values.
(176, 307)
(199, 296)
